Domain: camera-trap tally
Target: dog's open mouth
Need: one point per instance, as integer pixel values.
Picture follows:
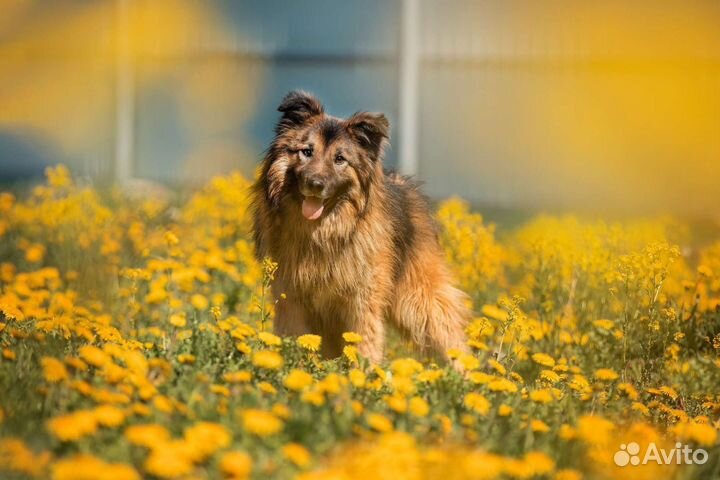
(312, 207)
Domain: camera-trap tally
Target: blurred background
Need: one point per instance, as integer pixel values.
(559, 105)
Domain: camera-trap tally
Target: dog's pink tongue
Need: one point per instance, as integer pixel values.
(312, 208)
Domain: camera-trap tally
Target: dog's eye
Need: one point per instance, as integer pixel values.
(340, 160)
(306, 152)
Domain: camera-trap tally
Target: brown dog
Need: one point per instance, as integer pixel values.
(355, 245)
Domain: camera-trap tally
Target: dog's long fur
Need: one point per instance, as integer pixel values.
(372, 255)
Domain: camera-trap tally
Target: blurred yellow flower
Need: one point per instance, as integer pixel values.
(541, 396)
(236, 465)
(87, 467)
(606, 374)
(109, 416)
(267, 359)
(477, 403)
(537, 425)
(241, 376)
(700, 433)
(260, 422)
(505, 410)
(147, 435)
(297, 454)
(298, 380)
(206, 438)
(199, 301)
(357, 378)
(169, 460)
(54, 370)
(379, 422)
(418, 407)
(543, 359)
(73, 426)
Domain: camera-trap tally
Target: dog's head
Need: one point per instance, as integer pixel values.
(321, 160)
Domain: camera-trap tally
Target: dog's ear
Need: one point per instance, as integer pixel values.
(371, 130)
(297, 108)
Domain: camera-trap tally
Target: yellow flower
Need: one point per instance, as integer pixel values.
(241, 376)
(594, 430)
(236, 464)
(357, 378)
(497, 366)
(109, 416)
(604, 324)
(549, 376)
(313, 397)
(206, 438)
(494, 312)
(267, 359)
(541, 396)
(186, 358)
(178, 320)
(147, 435)
(170, 460)
(539, 463)
(35, 253)
(477, 403)
(502, 385)
(269, 339)
(267, 388)
(469, 361)
(298, 380)
(418, 407)
(405, 367)
(629, 390)
(566, 432)
(297, 454)
(94, 356)
(606, 374)
(310, 342)
(281, 410)
(543, 359)
(351, 337)
(73, 426)
(54, 370)
(86, 467)
(350, 351)
(699, 433)
(568, 474)
(379, 422)
(505, 410)
(639, 407)
(397, 403)
(163, 403)
(171, 239)
(539, 426)
(200, 302)
(261, 422)
(430, 376)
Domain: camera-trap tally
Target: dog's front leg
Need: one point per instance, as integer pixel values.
(368, 323)
(291, 318)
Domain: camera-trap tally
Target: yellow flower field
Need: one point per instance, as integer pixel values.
(136, 342)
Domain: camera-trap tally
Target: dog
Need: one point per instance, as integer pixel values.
(355, 245)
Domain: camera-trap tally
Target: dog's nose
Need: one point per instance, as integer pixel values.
(316, 185)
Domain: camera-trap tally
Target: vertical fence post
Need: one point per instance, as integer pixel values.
(409, 66)
(124, 96)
